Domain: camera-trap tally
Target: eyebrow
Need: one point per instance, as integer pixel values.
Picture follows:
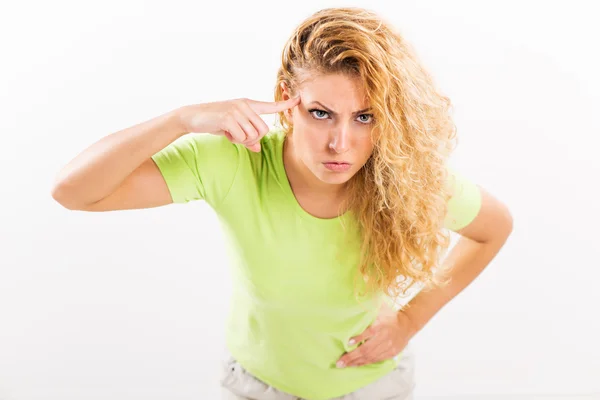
(330, 111)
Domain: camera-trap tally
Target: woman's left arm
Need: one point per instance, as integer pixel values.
(484, 224)
(479, 243)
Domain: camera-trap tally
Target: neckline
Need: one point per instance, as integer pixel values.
(290, 192)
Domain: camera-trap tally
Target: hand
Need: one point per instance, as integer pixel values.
(237, 119)
(385, 338)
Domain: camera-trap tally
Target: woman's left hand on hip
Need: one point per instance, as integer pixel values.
(384, 339)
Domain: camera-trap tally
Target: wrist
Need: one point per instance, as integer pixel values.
(408, 323)
(177, 120)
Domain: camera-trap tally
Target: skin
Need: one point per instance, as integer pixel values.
(344, 134)
(479, 243)
(117, 173)
(331, 123)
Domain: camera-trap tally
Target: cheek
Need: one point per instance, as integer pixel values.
(313, 140)
(309, 141)
(365, 144)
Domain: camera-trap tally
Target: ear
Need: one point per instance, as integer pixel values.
(285, 91)
(285, 94)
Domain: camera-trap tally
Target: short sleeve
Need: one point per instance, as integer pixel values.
(198, 167)
(465, 203)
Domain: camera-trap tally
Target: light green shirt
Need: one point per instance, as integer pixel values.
(292, 307)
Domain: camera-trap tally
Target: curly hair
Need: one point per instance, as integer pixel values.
(399, 197)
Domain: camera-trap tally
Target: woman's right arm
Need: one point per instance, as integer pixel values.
(117, 172)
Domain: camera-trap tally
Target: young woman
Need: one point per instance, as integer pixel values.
(330, 216)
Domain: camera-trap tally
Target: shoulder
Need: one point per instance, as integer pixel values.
(259, 168)
(217, 150)
(204, 142)
(272, 142)
(270, 150)
(465, 200)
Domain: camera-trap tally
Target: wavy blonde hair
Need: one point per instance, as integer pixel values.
(399, 197)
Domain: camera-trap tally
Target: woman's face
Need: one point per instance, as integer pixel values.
(332, 126)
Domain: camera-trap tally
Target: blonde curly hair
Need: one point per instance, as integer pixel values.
(400, 195)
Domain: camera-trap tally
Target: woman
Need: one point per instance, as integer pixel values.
(330, 216)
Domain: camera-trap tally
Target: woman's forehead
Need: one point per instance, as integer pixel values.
(334, 91)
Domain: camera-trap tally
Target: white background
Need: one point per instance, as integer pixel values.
(129, 305)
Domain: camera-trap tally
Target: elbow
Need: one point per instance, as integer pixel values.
(62, 196)
(59, 196)
(503, 224)
(508, 221)
(504, 227)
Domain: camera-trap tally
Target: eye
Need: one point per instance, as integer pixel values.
(319, 112)
(369, 118)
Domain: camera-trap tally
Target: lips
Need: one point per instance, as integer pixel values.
(337, 166)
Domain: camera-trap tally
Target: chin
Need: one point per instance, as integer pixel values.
(338, 181)
(335, 178)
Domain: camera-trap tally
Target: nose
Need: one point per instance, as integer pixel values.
(340, 140)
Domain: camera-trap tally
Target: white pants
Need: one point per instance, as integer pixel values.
(239, 384)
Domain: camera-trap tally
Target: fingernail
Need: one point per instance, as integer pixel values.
(351, 342)
(340, 364)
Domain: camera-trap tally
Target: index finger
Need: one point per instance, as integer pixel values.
(271, 107)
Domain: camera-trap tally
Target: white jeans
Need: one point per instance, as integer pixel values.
(239, 384)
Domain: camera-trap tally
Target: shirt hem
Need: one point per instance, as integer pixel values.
(312, 396)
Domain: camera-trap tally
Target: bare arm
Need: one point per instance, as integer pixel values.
(480, 242)
(117, 172)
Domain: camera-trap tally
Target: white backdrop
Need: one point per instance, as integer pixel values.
(129, 305)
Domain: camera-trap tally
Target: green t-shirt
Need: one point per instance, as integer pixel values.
(292, 308)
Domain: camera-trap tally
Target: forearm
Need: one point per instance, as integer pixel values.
(98, 170)
(467, 260)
